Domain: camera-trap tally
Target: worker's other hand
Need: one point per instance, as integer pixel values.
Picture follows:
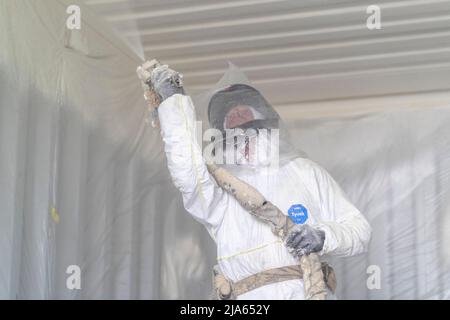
(166, 82)
(304, 239)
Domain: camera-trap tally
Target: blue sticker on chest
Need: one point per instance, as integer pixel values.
(298, 213)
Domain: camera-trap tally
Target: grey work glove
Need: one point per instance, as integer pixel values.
(304, 239)
(166, 82)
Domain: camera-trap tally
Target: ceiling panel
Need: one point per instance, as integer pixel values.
(295, 51)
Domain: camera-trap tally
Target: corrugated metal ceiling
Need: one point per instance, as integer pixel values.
(294, 51)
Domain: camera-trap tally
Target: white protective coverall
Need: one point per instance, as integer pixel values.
(245, 245)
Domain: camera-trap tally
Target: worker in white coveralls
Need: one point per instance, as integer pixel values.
(326, 222)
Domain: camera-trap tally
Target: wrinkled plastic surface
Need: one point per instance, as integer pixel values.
(395, 167)
(84, 181)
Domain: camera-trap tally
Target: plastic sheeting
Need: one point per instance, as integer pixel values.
(83, 180)
(395, 167)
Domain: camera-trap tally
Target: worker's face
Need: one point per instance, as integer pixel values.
(245, 137)
(249, 147)
(237, 116)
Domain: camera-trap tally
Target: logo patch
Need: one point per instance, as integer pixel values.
(298, 213)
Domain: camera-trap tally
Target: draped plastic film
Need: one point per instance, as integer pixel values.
(83, 180)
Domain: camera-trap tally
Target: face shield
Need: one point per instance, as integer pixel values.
(240, 105)
(247, 131)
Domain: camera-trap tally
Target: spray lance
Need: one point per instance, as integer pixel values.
(152, 98)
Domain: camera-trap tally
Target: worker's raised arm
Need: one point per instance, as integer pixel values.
(202, 198)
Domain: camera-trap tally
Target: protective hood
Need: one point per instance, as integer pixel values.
(250, 133)
(241, 96)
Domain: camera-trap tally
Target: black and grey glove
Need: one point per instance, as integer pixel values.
(166, 82)
(304, 239)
